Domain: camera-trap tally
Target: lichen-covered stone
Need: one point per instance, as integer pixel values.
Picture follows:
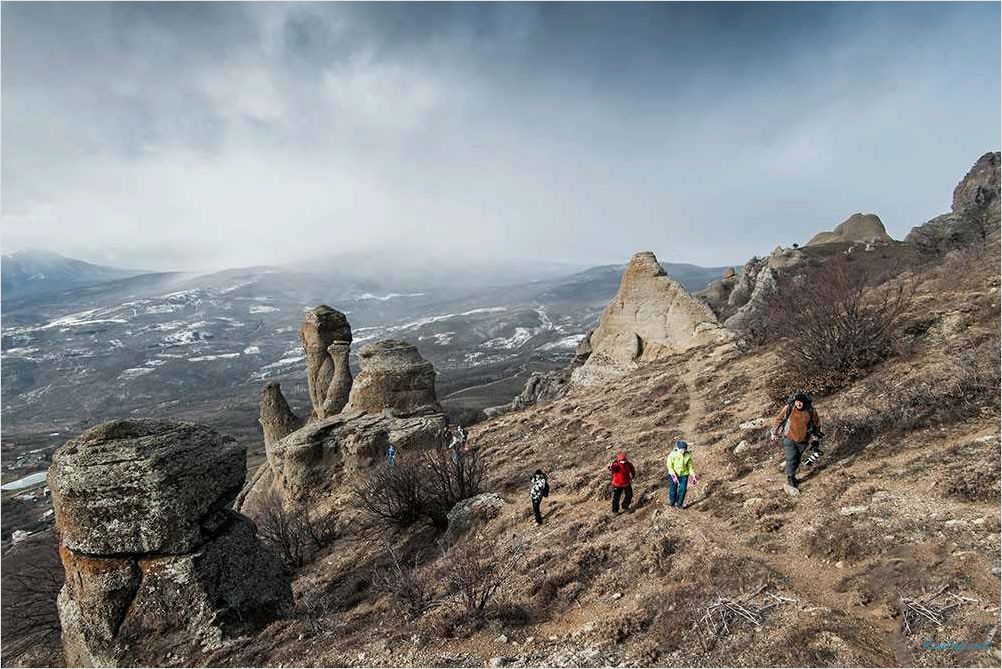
(142, 486)
(393, 376)
(322, 327)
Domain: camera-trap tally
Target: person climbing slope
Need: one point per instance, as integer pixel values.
(540, 488)
(391, 455)
(623, 473)
(680, 473)
(796, 422)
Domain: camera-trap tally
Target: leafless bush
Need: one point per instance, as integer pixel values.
(30, 618)
(452, 476)
(834, 323)
(412, 590)
(423, 486)
(480, 569)
(395, 495)
(967, 386)
(293, 530)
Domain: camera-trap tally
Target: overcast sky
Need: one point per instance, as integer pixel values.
(208, 135)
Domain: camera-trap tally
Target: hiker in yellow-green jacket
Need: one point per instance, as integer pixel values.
(680, 471)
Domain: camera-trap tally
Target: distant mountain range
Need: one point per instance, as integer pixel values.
(101, 342)
(34, 271)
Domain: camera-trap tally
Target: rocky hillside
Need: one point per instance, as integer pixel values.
(898, 520)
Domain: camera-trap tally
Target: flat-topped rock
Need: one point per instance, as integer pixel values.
(143, 486)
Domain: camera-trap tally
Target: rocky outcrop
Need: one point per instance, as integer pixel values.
(974, 218)
(393, 376)
(739, 299)
(650, 317)
(317, 460)
(276, 418)
(541, 387)
(326, 337)
(856, 228)
(471, 514)
(155, 561)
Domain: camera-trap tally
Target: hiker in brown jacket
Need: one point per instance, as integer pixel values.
(795, 423)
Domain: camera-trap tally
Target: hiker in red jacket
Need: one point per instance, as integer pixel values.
(623, 473)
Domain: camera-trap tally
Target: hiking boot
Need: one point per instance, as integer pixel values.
(792, 482)
(628, 510)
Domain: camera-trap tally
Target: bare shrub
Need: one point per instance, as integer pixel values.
(450, 477)
(395, 495)
(834, 324)
(421, 487)
(477, 571)
(412, 590)
(30, 617)
(293, 530)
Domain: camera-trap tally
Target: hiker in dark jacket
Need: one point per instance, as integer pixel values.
(795, 423)
(540, 489)
(623, 473)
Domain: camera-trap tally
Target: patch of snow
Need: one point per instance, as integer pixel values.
(185, 337)
(19, 352)
(569, 342)
(252, 350)
(517, 340)
(388, 296)
(116, 343)
(283, 362)
(263, 309)
(218, 356)
(134, 373)
(441, 338)
(26, 482)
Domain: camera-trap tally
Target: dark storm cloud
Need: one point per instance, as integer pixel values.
(196, 134)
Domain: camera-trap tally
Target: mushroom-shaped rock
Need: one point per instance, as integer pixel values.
(651, 316)
(394, 376)
(143, 486)
(323, 326)
(154, 560)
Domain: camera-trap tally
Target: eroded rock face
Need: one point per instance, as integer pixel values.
(142, 486)
(974, 218)
(395, 377)
(856, 228)
(276, 418)
(650, 317)
(155, 562)
(326, 455)
(323, 327)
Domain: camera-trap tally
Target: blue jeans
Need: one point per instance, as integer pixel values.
(676, 491)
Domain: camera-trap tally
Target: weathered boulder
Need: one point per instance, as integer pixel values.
(472, 513)
(541, 387)
(143, 486)
(339, 389)
(651, 316)
(394, 376)
(316, 460)
(322, 327)
(974, 218)
(856, 228)
(155, 563)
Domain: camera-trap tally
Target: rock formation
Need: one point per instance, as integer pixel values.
(975, 212)
(314, 461)
(276, 418)
(393, 376)
(326, 337)
(472, 514)
(856, 228)
(155, 561)
(650, 317)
